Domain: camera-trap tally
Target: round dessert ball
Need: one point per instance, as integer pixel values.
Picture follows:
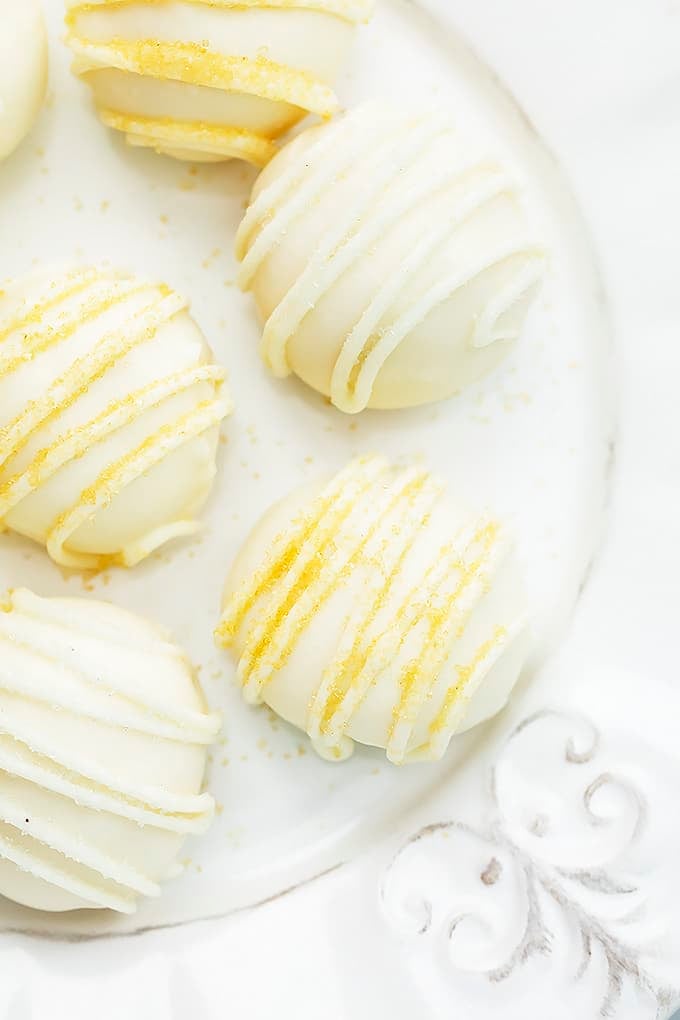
(23, 71)
(212, 81)
(102, 754)
(110, 408)
(391, 262)
(370, 608)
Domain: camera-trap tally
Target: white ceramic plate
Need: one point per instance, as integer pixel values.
(438, 889)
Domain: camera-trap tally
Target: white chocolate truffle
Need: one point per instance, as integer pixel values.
(23, 71)
(103, 750)
(109, 416)
(368, 609)
(209, 80)
(390, 262)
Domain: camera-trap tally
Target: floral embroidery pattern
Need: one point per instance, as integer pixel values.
(541, 875)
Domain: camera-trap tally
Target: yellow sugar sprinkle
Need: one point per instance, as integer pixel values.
(195, 64)
(77, 378)
(347, 672)
(76, 282)
(419, 677)
(115, 477)
(77, 441)
(464, 675)
(198, 135)
(39, 342)
(268, 575)
(310, 573)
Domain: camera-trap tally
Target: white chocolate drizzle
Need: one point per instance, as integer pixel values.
(400, 173)
(49, 665)
(354, 11)
(23, 339)
(164, 133)
(371, 515)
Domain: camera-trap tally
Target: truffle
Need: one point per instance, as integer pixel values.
(390, 259)
(372, 609)
(102, 754)
(109, 413)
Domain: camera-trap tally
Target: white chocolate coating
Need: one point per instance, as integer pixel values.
(23, 71)
(211, 79)
(103, 742)
(367, 609)
(390, 263)
(109, 415)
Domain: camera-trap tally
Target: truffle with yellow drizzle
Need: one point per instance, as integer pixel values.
(369, 609)
(390, 259)
(23, 71)
(104, 735)
(110, 408)
(210, 80)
